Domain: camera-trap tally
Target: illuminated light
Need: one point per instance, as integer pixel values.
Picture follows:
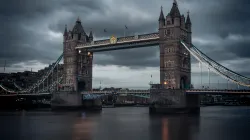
(89, 53)
(79, 51)
(165, 83)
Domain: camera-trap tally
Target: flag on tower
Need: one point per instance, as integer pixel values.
(126, 27)
(151, 75)
(105, 30)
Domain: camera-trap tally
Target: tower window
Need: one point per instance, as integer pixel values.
(168, 31)
(168, 22)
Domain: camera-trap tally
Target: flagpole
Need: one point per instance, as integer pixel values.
(151, 79)
(124, 31)
(125, 28)
(4, 66)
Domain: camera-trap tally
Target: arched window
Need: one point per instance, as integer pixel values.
(168, 22)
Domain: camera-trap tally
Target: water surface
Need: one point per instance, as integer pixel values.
(128, 123)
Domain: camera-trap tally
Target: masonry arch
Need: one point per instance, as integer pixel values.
(184, 82)
(82, 86)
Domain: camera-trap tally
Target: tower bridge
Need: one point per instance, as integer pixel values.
(174, 38)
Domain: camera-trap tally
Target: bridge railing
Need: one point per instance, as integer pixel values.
(218, 91)
(118, 92)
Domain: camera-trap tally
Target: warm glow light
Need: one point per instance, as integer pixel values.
(89, 53)
(79, 51)
(165, 83)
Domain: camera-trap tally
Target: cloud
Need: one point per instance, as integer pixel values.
(32, 30)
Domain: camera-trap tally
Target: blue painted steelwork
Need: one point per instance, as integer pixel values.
(96, 96)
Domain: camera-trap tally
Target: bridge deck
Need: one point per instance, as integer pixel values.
(143, 92)
(143, 40)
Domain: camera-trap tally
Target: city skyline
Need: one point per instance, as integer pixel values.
(39, 39)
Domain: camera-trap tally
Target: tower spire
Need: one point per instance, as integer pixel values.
(188, 21)
(65, 31)
(174, 10)
(175, 2)
(78, 20)
(161, 18)
(90, 35)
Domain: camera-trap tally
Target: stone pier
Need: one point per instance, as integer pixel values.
(173, 101)
(73, 100)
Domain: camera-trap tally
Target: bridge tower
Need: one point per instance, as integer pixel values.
(175, 66)
(77, 65)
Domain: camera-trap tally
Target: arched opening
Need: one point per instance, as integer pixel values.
(185, 62)
(184, 83)
(81, 86)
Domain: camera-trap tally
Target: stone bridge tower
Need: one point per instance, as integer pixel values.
(175, 66)
(77, 65)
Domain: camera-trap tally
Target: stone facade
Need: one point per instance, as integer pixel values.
(77, 64)
(163, 100)
(175, 67)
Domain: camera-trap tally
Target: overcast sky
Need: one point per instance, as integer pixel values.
(31, 35)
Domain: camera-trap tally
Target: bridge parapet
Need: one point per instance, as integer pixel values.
(207, 91)
(134, 92)
(118, 92)
(96, 92)
(120, 40)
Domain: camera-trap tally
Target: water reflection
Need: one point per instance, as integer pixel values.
(82, 129)
(181, 127)
(84, 125)
(214, 123)
(165, 129)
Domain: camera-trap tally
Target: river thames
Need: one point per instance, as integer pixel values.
(127, 123)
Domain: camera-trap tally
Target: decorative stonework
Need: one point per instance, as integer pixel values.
(113, 39)
(173, 56)
(77, 63)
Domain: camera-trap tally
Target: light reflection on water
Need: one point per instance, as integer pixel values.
(128, 123)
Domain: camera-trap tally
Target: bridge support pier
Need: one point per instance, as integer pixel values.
(66, 100)
(171, 101)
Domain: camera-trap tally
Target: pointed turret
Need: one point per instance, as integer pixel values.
(78, 29)
(182, 21)
(91, 36)
(175, 10)
(78, 20)
(188, 21)
(161, 19)
(65, 31)
(188, 26)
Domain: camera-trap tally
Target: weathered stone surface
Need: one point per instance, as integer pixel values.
(65, 98)
(74, 100)
(164, 100)
(175, 66)
(168, 97)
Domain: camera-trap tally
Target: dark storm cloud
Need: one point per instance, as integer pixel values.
(135, 58)
(23, 23)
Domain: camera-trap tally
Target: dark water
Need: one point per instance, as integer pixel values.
(214, 123)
